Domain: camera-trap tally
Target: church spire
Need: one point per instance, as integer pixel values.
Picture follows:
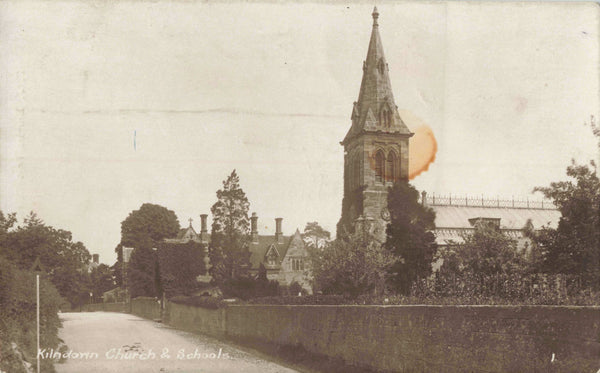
(376, 109)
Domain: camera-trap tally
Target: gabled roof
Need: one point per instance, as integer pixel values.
(293, 245)
(185, 235)
(259, 249)
(375, 93)
(296, 246)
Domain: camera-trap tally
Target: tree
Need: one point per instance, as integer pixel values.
(314, 235)
(146, 227)
(488, 251)
(141, 273)
(573, 248)
(144, 230)
(228, 250)
(101, 279)
(352, 265)
(262, 273)
(64, 261)
(409, 236)
(179, 265)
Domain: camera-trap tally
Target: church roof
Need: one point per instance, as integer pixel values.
(452, 222)
(510, 218)
(375, 98)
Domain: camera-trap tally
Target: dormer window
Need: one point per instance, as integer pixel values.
(381, 66)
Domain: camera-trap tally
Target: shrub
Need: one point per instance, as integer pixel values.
(247, 288)
(307, 300)
(17, 318)
(200, 301)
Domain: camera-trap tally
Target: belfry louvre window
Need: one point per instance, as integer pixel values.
(379, 165)
(392, 166)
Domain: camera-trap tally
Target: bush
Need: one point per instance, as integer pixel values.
(247, 288)
(18, 320)
(307, 300)
(200, 301)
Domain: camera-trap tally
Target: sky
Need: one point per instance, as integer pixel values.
(107, 105)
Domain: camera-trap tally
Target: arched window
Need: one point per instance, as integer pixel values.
(379, 166)
(388, 119)
(392, 166)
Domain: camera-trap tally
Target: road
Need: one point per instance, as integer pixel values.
(118, 342)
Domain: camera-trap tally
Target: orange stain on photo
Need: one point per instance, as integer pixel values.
(423, 145)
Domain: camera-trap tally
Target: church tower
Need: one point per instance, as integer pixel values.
(375, 147)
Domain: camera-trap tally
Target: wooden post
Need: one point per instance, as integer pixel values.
(37, 311)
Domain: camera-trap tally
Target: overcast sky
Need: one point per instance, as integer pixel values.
(105, 105)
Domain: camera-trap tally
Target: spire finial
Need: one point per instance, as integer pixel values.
(191, 220)
(375, 15)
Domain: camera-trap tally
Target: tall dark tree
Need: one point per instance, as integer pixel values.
(101, 280)
(141, 273)
(574, 246)
(228, 250)
(117, 268)
(144, 230)
(179, 265)
(409, 236)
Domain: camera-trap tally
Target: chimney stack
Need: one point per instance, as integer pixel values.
(254, 228)
(203, 229)
(278, 233)
(95, 258)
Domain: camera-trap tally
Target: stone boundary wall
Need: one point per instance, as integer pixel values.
(146, 307)
(417, 338)
(196, 319)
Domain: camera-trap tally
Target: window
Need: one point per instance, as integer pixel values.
(356, 177)
(392, 168)
(379, 166)
(297, 264)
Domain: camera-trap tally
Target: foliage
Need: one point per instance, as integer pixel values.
(351, 265)
(487, 251)
(247, 288)
(331, 299)
(117, 268)
(63, 260)
(228, 250)
(200, 301)
(295, 288)
(146, 227)
(101, 279)
(144, 230)
(262, 273)
(18, 318)
(314, 235)
(574, 246)
(141, 273)
(179, 265)
(409, 236)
